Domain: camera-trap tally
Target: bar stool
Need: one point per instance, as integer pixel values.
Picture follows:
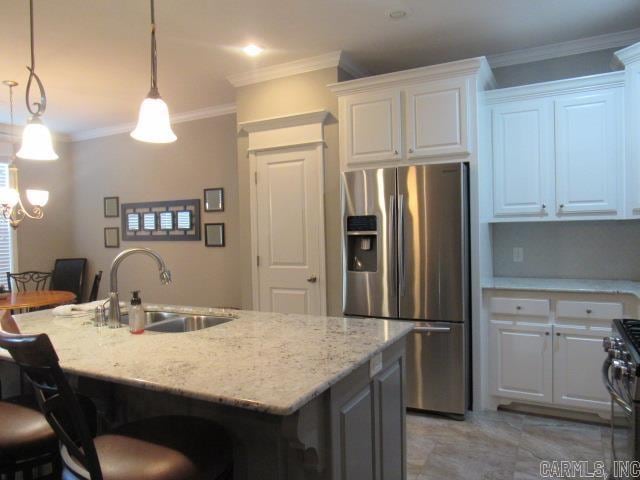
(160, 448)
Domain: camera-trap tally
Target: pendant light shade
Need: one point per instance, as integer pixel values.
(36, 138)
(154, 124)
(36, 142)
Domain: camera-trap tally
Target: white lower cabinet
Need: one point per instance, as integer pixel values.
(549, 352)
(521, 361)
(578, 355)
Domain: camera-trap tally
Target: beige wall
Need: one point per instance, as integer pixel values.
(41, 242)
(286, 96)
(204, 156)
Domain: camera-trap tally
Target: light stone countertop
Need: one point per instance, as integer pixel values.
(267, 362)
(564, 285)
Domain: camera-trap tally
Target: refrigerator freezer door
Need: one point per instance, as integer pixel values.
(432, 242)
(436, 367)
(369, 236)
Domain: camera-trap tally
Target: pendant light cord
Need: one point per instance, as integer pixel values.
(153, 93)
(42, 104)
(13, 141)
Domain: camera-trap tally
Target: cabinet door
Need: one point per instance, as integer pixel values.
(371, 127)
(588, 153)
(523, 176)
(436, 119)
(521, 361)
(356, 437)
(577, 361)
(391, 409)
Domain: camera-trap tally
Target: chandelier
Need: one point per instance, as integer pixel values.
(11, 206)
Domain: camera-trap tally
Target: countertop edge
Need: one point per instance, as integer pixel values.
(570, 285)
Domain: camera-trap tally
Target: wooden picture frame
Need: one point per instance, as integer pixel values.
(214, 235)
(111, 207)
(111, 237)
(214, 199)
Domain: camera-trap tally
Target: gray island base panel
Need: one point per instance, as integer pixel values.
(304, 397)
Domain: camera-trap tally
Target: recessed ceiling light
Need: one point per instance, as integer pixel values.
(396, 14)
(252, 50)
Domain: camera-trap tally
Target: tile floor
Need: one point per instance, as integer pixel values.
(497, 445)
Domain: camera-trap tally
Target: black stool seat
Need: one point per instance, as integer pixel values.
(24, 433)
(160, 448)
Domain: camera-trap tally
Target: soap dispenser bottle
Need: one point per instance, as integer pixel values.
(136, 314)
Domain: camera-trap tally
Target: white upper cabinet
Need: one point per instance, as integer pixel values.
(589, 144)
(371, 127)
(523, 158)
(436, 118)
(414, 116)
(557, 150)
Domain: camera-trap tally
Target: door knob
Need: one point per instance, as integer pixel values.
(312, 279)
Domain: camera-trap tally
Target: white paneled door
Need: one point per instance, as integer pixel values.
(289, 218)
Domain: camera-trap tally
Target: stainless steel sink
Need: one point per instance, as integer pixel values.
(169, 322)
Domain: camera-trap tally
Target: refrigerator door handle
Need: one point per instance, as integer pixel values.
(391, 224)
(401, 270)
(432, 329)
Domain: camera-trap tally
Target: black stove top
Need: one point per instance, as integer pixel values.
(632, 328)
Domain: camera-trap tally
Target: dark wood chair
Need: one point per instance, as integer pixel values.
(27, 442)
(69, 275)
(29, 281)
(93, 295)
(171, 447)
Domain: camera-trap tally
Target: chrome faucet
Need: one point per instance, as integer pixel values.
(114, 301)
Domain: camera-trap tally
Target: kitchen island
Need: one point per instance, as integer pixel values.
(302, 396)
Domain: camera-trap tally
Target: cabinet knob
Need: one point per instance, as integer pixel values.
(562, 205)
(312, 279)
(395, 152)
(518, 307)
(544, 206)
(546, 333)
(589, 310)
(411, 150)
(558, 334)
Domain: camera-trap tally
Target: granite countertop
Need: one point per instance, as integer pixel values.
(564, 285)
(267, 362)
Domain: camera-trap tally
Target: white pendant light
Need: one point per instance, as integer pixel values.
(36, 138)
(154, 125)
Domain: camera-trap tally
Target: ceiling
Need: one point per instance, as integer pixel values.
(93, 56)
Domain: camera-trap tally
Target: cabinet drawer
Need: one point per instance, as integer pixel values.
(520, 306)
(597, 310)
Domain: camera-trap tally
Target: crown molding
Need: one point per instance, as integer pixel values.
(199, 114)
(471, 66)
(629, 55)
(556, 87)
(563, 49)
(305, 65)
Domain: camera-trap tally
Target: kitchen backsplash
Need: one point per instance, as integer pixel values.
(605, 250)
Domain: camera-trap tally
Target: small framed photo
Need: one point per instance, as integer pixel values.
(214, 234)
(149, 221)
(133, 222)
(112, 237)
(214, 200)
(111, 207)
(166, 221)
(184, 220)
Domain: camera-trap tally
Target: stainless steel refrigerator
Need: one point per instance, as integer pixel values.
(406, 256)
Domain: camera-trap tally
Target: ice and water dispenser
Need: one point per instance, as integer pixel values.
(362, 243)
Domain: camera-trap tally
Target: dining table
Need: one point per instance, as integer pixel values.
(35, 299)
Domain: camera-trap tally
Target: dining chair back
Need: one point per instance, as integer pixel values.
(37, 358)
(30, 280)
(69, 275)
(93, 296)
